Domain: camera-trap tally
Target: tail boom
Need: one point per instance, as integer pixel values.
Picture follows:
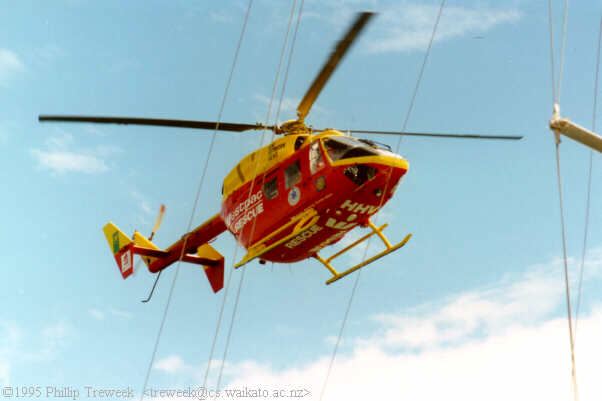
(189, 244)
(192, 248)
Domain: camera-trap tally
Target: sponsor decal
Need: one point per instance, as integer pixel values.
(356, 207)
(244, 212)
(273, 150)
(342, 225)
(248, 216)
(346, 219)
(304, 236)
(293, 196)
(115, 242)
(126, 261)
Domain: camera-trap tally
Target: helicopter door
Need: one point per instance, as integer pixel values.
(270, 188)
(292, 174)
(316, 160)
(292, 179)
(316, 165)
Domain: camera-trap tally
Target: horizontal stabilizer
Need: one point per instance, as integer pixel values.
(143, 242)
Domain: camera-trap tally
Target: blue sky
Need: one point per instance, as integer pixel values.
(478, 286)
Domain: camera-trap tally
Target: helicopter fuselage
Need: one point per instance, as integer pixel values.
(306, 192)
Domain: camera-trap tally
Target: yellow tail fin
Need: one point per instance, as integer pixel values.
(121, 246)
(115, 237)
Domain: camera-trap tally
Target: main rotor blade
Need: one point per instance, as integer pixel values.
(436, 135)
(331, 64)
(209, 125)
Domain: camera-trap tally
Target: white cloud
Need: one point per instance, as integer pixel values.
(67, 161)
(222, 17)
(10, 64)
(54, 338)
(99, 314)
(171, 364)
(10, 337)
(409, 26)
(288, 107)
(143, 201)
(4, 132)
(20, 347)
(146, 213)
(474, 314)
(48, 53)
(524, 362)
(506, 341)
(59, 156)
(120, 313)
(96, 314)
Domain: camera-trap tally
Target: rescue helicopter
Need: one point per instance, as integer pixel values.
(286, 201)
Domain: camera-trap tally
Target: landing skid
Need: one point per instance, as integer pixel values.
(375, 230)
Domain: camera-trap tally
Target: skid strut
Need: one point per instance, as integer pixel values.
(375, 230)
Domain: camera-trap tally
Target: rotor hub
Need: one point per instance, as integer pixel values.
(293, 127)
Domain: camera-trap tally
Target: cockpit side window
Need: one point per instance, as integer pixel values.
(292, 174)
(316, 160)
(360, 173)
(270, 188)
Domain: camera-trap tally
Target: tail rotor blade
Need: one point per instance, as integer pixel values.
(157, 222)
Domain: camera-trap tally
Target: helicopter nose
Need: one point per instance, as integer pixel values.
(394, 161)
(390, 174)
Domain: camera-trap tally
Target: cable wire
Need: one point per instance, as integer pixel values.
(194, 207)
(288, 64)
(552, 60)
(251, 187)
(557, 80)
(415, 92)
(589, 184)
(343, 324)
(406, 120)
(420, 74)
(562, 48)
(229, 280)
(556, 96)
(566, 275)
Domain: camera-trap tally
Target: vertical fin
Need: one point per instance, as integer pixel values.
(121, 246)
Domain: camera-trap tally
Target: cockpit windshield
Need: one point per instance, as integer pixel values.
(376, 145)
(343, 147)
